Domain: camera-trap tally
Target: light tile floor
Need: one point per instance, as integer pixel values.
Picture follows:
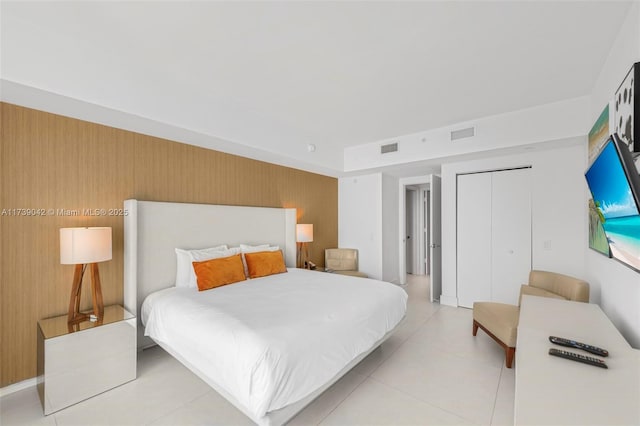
(432, 371)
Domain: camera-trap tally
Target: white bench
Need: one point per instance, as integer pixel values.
(556, 391)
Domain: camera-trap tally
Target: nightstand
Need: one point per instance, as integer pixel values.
(76, 364)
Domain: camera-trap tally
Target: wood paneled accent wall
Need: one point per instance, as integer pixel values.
(54, 162)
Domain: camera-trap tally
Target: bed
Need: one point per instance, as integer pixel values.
(273, 344)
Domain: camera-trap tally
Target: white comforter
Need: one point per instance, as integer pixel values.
(272, 341)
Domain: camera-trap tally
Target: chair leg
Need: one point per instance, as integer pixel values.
(510, 352)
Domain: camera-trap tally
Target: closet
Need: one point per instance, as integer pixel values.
(493, 235)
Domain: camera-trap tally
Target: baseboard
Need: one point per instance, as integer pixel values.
(7, 390)
(448, 300)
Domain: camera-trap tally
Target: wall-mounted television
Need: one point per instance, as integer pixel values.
(614, 183)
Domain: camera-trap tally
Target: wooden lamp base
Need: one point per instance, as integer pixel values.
(303, 255)
(75, 316)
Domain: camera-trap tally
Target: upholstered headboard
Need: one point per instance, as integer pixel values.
(153, 230)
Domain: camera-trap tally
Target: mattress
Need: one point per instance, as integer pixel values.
(272, 341)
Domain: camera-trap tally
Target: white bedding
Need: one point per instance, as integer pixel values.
(272, 341)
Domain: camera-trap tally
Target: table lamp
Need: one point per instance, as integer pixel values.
(304, 235)
(82, 247)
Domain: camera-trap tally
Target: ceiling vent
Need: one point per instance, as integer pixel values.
(392, 147)
(463, 133)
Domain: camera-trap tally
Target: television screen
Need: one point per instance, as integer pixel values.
(615, 187)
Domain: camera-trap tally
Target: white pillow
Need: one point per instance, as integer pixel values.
(245, 248)
(185, 276)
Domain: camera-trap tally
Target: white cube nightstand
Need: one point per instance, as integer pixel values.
(77, 363)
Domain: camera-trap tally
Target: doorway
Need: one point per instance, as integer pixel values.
(419, 246)
(412, 219)
(417, 228)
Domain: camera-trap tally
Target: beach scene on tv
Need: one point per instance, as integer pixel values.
(616, 206)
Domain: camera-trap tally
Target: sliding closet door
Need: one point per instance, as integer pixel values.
(511, 233)
(493, 235)
(474, 238)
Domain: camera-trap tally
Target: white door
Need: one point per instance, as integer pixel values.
(409, 225)
(435, 248)
(493, 235)
(427, 231)
(511, 236)
(473, 238)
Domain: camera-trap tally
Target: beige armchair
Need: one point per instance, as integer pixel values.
(342, 261)
(500, 320)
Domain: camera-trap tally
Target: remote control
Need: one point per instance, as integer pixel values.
(577, 357)
(578, 345)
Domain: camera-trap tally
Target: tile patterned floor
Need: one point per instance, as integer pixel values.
(432, 371)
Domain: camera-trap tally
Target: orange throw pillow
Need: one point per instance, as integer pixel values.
(263, 263)
(218, 272)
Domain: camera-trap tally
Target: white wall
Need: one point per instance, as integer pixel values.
(558, 209)
(390, 229)
(360, 220)
(368, 221)
(533, 125)
(614, 286)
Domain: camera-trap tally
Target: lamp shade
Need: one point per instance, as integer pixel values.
(84, 245)
(304, 233)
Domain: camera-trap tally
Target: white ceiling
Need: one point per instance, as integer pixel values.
(278, 76)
